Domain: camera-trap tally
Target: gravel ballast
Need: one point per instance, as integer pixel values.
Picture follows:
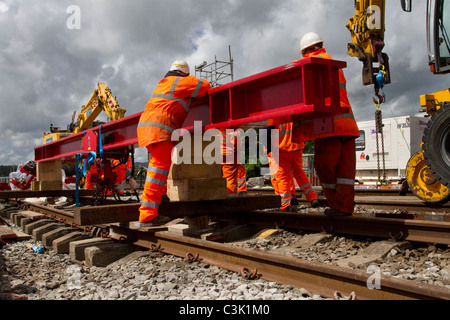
(156, 276)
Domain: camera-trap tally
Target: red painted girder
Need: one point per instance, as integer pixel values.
(303, 90)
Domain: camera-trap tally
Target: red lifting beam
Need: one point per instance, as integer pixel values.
(304, 90)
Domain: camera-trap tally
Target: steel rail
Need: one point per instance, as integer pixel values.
(419, 230)
(324, 279)
(51, 212)
(374, 227)
(384, 200)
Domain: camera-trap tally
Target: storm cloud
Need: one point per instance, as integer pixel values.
(48, 69)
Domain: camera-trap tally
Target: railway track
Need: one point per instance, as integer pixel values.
(382, 202)
(327, 280)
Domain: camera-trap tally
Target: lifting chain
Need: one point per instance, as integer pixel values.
(379, 131)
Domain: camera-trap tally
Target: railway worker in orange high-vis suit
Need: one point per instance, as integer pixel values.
(234, 172)
(165, 112)
(335, 156)
(291, 166)
(121, 170)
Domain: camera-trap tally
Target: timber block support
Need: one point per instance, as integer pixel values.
(49, 176)
(195, 180)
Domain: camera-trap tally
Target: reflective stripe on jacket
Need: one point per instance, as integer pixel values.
(168, 107)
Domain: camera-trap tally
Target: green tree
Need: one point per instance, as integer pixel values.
(6, 170)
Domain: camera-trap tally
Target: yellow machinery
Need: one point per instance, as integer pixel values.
(367, 29)
(428, 171)
(101, 100)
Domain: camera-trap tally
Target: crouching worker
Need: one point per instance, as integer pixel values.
(165, 112)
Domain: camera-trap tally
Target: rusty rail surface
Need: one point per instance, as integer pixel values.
(384, 200)
(317, 277)
(374, 227)
(398, 229)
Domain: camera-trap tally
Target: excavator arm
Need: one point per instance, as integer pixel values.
(101, 100)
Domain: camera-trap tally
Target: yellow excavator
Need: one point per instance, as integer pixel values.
(428, 171)
(101, 100)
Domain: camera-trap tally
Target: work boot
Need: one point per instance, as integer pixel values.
(242, 194)
(287, 209)
(158, 221)
(336, 213)
(294, 202)
(315, 203)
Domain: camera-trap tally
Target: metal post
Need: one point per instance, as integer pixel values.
(77, 159)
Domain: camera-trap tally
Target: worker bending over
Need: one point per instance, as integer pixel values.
(290, 166)
(165, 112)
(335, 157)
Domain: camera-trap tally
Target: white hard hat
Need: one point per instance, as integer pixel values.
(310, 39)
(180, 65)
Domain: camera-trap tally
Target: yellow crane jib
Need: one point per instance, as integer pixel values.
(101, 100)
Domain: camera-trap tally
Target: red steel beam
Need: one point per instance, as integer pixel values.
(304, 90)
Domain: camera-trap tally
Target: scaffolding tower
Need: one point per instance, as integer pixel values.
(215, 71)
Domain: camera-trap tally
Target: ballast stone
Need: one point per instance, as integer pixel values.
(375, 251)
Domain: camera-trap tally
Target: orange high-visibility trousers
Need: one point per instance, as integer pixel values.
(156, 182)
(273, 176)
(229, 172)
(291, 166)
(241, 178)
(335, 163)
(236, 177)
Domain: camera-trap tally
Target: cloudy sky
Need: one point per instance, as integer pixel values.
(48, 68)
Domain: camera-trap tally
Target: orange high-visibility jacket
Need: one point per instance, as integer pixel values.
(168, 107)
(288, 143)
(228, 146)
(344, 124)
